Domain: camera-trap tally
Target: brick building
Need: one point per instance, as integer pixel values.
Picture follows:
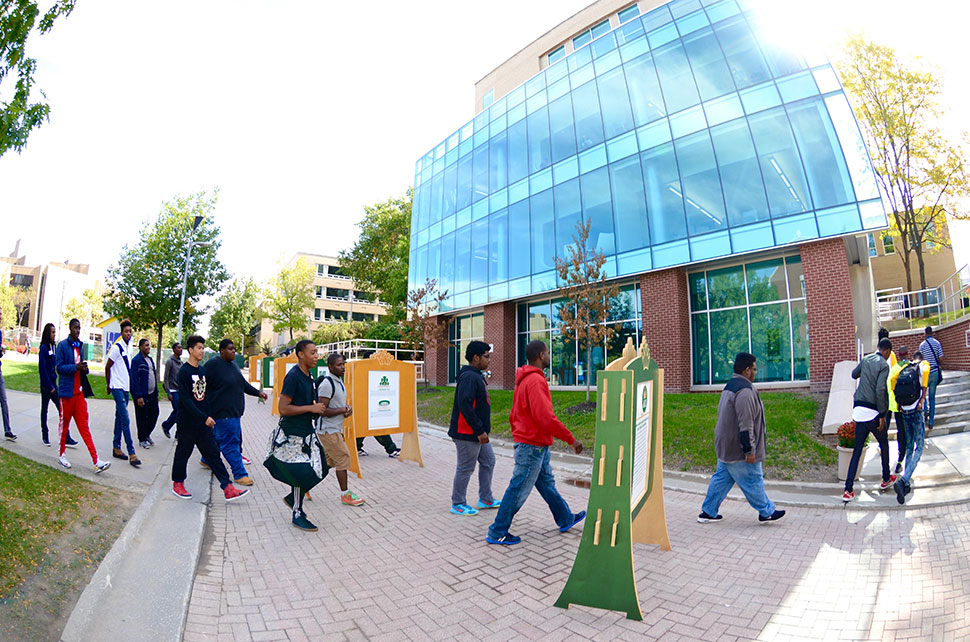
(723, 176)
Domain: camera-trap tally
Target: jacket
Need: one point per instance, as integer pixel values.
(740, 427)
(172, 366)
(66, 369)
(872, 392)
(46, 364)
(532, 419)
(471, 414)
(225, 386)
(139, 376)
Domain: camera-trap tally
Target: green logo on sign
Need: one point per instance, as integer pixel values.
(384, 402)
(384, 381)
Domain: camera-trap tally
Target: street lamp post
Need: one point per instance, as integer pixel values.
(185, 275)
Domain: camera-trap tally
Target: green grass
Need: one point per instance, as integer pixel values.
(36, 504)
(18, 375)
(793, 450)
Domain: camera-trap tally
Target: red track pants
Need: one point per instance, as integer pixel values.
(76, 407)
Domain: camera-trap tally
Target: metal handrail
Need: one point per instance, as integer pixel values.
(952, 302)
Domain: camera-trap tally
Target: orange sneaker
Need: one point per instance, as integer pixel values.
(350, 499)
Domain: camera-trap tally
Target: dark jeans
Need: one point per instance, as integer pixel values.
(146, 416)
(4, 411)
(46, 397)
(383, 440)
(173, 417)
(531, 470)
(190, 436)
(862, 430)
(900, 432)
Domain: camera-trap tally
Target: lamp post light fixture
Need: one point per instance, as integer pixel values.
(185, 275)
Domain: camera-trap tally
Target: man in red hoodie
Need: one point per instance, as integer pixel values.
(534, 425)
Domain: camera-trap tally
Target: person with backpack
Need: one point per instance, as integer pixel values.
(932, 351)
(908, 380)
(894, 411)
(329, 427)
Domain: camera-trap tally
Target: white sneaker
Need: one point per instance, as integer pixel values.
(101, 466)
(144, 444)
(64, 462)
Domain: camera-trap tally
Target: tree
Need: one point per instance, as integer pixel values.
(421, 327)
(343, 331)
(20, 297)
(290, 297)
(146, 283)
(87, 308)
(585, 287)
(922, 174)
(8, 313)
(378, 261)
(237, 311)
(18, 19)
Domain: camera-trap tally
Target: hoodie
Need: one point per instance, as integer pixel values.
(532, 419)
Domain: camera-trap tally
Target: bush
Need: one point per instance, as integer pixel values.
(344, 331)
(846, 435)
(385, 331)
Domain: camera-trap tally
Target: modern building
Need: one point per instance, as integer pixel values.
(723, 175)
(336, 298)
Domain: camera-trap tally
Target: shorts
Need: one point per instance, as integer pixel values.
(338, 457)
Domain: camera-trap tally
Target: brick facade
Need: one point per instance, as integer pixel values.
(953, 338)
(500, 333)
(828, 301)
(666, 324)
(436, 359)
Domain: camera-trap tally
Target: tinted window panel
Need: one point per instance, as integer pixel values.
(702, 188)
(744, 191)
(598, 210)
(561, 126)
(707, 61)
(586, 110)
(825, 166)
(645, 96)
(629, 201)
(665, 202)
(780, 164)
(675, 77)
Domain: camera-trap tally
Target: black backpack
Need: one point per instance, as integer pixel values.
(908, 388)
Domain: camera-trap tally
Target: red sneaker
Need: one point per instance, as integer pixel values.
(887, 484)
(232, 492)
(178, 489)
(848, 496)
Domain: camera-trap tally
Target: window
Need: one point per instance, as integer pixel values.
(317, 314)
(591, 34)
(336, 272)
(335, 315)
(557, 54)
(630, 12)
(463, 330)
(488, 98)
(362, 316)
(319, 291)
(337, 293)
(887, 243)
(321, 269)
(871, 241)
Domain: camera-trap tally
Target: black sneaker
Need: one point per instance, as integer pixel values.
(899, 467)
(775, 516)
(361, 452)
(395, 453)
(46, 441)
(167, 430)
(9, 436)
(70, 442)
(288, 499)
(900, 488)
(704, 518)
(301, 522)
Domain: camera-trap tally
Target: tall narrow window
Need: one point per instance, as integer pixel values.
(557, 54)
(488, 98)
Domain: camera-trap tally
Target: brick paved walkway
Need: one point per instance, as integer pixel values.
(403, 568)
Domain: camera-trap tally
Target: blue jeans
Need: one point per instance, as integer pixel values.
(122, 422)
(228, 433)
(173, 417)
(749, 478)
(915, 434)
(4, 411)
(930, 408)
(531, 469)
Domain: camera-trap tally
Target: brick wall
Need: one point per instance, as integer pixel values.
(828, 293)
(500, 333)
(436, 359)
(666, 324)
(953, 338)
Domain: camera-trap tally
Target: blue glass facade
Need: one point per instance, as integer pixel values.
(682, 135)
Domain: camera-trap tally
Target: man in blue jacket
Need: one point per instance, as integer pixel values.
(144, 390)
(471, 421)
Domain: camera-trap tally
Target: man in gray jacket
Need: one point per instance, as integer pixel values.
(869, 407)
(739, 442)
(171, 386)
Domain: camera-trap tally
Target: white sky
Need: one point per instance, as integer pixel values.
(302, 112)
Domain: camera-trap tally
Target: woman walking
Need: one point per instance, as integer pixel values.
(48, 384)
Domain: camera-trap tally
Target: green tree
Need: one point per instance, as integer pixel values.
(20, 296)
(18, 116)
(237, 311)
(378, 261)
(87, 308)
(343, 331)
(8, 313)
(289, 298)
(922, 174)
(146, 283)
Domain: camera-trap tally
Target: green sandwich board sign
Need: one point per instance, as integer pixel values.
(626, 491)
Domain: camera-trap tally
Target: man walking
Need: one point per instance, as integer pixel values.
(195, 424)
(534, 425)
(172, 366)
(329, 426)
(227, 403)
(72, 387)
(870, 405)
(739, 442)
(4, 409)
(909, 381)
(894, 410)
(144, 390)
(932, 351)
(471, 422)
(117, 376)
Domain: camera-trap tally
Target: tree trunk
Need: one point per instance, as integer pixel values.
(158, 354)
(589, 369)
(922, 278)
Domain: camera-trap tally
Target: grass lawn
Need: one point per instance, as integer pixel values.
(20, 375)
(794, 452)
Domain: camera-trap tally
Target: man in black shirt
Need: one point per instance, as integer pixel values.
(195, 425)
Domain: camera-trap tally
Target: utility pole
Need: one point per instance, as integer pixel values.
(185, 275)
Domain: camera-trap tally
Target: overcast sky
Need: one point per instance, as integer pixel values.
(301, 113)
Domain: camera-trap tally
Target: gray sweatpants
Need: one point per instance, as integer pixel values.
(470, 452)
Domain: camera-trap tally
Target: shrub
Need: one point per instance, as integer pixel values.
(846, 435)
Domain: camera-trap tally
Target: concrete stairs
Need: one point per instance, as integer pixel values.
(952, 405)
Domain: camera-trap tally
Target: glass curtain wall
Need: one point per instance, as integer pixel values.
(755, 307)
(682, 135)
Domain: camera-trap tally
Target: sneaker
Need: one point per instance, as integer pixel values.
(350, 499)
(848, 496)
(577, 518)
(134, 461)
(899, 467)
(361, 452)
(774, 517)
(463, 509)
(150, 441)
(301, 522)
(288, 499)
(888, 484)
(246, 460)
(495, 504)
(101, 466)
(307, 497)
(178, 489)
(46, 441)
(508, 540)
(144, 444)
(70, 443)
(204, 465)
(900, 488)
(117, 454)
(245, 480)
(704, 518)
(395, 454)
(231, 492)
(9, 436)
(167, 430)
(63, 461)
